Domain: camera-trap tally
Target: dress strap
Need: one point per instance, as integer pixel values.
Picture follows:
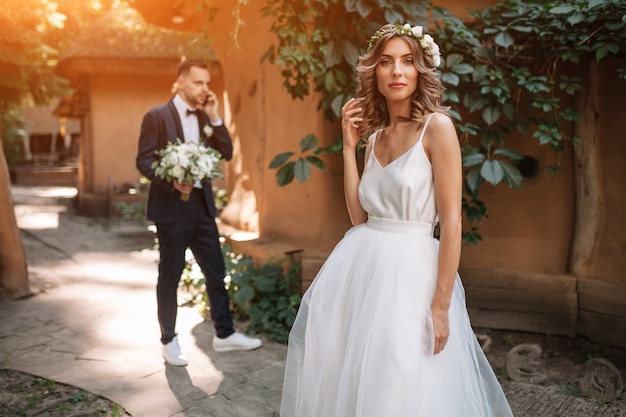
(425, 126)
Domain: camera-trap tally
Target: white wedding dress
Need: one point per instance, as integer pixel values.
(361, 345)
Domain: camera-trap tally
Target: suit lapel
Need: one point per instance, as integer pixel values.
(202, 122)
(176, 120)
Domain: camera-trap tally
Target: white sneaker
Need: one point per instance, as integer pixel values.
(172, 353)
(235, 341)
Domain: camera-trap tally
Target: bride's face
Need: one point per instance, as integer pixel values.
(396, 73)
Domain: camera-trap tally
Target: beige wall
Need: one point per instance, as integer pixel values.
(265, 121)
(531, 228)
(117, 103)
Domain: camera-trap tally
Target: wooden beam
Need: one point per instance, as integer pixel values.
(518, 280)
(590, 210)
(603, 328)
(601, 297)
(561, 324)
(549, 302)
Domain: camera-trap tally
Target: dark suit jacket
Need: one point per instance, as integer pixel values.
(162, 125)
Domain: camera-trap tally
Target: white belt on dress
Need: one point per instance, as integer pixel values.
(400, 226)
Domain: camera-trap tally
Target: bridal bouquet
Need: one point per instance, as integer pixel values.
(187, 162)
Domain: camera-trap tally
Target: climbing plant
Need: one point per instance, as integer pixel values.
(510, 67)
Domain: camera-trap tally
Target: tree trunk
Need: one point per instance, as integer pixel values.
(13, 271)
(590, 198)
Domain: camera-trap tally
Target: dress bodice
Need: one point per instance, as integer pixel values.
(402, 190)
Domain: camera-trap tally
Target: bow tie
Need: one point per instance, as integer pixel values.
(190, 112)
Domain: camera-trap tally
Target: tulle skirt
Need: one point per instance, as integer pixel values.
(362, 343)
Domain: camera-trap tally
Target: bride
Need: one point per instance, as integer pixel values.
(383, 331)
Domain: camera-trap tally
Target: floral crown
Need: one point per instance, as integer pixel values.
(425, 40)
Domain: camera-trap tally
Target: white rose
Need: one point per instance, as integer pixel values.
(177, 171)
(437, 59)
(170, 159)
(208, 131)
(406, 26)
(207, 164)
(184, 160)
(426, 41)
(188, 148)
(417, 31)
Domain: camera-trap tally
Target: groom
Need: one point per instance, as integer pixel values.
(191, 115)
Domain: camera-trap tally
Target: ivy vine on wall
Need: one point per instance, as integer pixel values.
(512, 67)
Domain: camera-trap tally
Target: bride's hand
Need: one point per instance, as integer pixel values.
(350, 123)
(441, 328)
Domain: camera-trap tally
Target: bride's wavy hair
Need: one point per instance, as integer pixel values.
(427, 97)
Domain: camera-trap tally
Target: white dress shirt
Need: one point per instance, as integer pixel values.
(189, 122)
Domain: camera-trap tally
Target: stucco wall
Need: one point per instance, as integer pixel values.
(265, 121)
(528, 229)
(117, 104)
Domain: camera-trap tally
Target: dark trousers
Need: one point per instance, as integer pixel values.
(195, 229)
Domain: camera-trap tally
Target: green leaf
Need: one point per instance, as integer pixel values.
(337, 104)
(329, 81)
(473, 159)
(333, 54)
(350, 53)
(504, 39)
(462, 69)
(316, 162)
(614, 26)
(285, 175)
(308, 142)
(508, 109)
(524, 29)
(474, 180)
(280, 159)
(350, 5)
(363, 7)
(508, 153)
(576, 18)
(479, 73)
(472, 237)
(595, 3)
(264, 284)
(392, 16)
(451, 96)
(512, 176)
(488, 139)
(244, 295)
(482, 52)
(450, 78)
(302, 170)
(491, 114)
(453, 59)
(602, 52)
(562, 9)
(492, 171)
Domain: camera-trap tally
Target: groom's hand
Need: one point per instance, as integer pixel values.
(183, 187)
(211, 107)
